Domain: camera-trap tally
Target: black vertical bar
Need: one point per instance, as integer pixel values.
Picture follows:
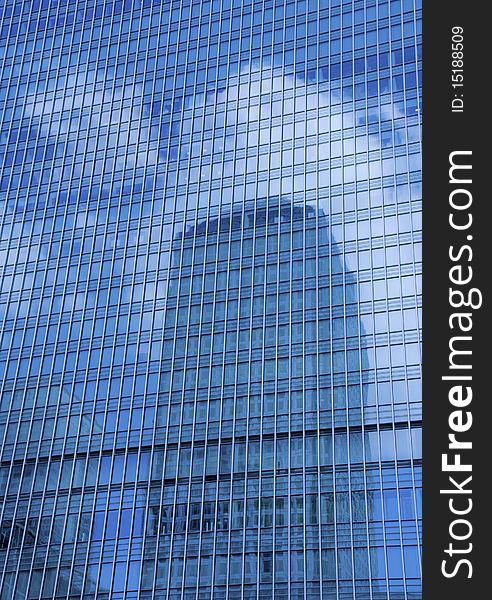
(456, 120)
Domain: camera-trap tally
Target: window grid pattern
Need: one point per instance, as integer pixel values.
(210, 226)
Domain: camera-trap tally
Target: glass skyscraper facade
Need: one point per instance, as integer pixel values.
(209, 299)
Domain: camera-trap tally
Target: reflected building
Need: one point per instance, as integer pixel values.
(261, 341)
(209, 300)
(271, 468)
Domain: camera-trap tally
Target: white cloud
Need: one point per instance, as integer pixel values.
(101, 109)
(289, 112)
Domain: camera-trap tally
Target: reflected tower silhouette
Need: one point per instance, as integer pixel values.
(264, 399)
